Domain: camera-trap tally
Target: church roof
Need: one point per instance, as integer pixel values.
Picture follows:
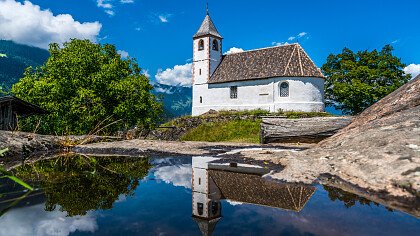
(249, 188)
(280, 61)
(206, 226)
(207, 28)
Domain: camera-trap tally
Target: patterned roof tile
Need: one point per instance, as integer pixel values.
(207, 28)
(281, 61)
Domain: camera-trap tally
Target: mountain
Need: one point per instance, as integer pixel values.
(177, 100)
(15, 58)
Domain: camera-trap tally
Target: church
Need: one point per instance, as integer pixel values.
(275, 78)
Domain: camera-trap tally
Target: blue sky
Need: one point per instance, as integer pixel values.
(159, 32)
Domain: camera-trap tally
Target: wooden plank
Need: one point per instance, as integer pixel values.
(305, 130)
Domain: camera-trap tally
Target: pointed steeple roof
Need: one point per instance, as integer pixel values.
(206, 226)
(207, 28)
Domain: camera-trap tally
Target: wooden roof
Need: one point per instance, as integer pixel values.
(206, 226)
(207, 28)
(281, 61)
(249, 188)
(22, 108)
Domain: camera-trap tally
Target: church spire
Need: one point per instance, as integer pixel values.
(207, 28)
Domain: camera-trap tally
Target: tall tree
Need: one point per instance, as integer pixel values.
(85, 87)
(357, 80)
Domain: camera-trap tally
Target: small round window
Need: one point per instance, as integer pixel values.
(284, 89)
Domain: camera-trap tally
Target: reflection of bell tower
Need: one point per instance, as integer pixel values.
(206, 207)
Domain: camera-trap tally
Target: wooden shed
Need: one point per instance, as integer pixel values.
(12, 107)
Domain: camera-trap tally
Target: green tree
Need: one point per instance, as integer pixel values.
(357, 80)
(86, 86)
(77, 184)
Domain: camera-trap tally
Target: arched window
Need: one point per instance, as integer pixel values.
(200, 208)
(215, 45)
(200, 45)
(284, 89)
(201, 101)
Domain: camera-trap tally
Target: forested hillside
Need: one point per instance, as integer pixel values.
(14, 58)
(177, 100)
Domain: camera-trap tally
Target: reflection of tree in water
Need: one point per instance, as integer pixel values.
(349, 199)
(80, 183)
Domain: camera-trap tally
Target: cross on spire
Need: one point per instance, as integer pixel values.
(207, 7)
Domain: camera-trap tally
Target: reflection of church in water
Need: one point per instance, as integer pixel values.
(213, 182)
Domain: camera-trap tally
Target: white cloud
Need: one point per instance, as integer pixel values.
(177, 175)
(124, 54)
(234, 50)
(291, 38)
(300, 35)
(280, 43)
(179, 75)
(413, 69)
(164, 18)
(34, 220)
(126, 1)
(106, 5)
(146, 73)
(164, 90)
(110, 12)
(26, 23)
(137, 29)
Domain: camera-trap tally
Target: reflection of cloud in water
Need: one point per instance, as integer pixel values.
(233, 203)
(34, 220)
(121, 198)
(179, 175)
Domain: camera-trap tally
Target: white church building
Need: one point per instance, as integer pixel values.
(281, 77)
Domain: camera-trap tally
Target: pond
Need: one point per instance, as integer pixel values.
(84, 195)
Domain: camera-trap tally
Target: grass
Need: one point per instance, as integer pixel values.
(301, 114)
(260, 112)
(5, 174)
(239, 126)
(241, 131)
(256, 112)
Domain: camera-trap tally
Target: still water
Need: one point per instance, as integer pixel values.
(82, 195)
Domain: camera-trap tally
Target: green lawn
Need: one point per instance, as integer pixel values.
(244, 131)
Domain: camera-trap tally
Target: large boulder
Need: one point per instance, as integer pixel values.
(22, 145)
(376, 156)
(380, 149)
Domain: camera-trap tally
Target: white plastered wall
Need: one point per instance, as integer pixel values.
(201, 61)
(305, 94)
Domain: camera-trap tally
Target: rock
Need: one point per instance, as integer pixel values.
(376, 155)
(23, 145)
(385, 138)
(305, 130)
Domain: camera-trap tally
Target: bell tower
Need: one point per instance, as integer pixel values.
(207, 51)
